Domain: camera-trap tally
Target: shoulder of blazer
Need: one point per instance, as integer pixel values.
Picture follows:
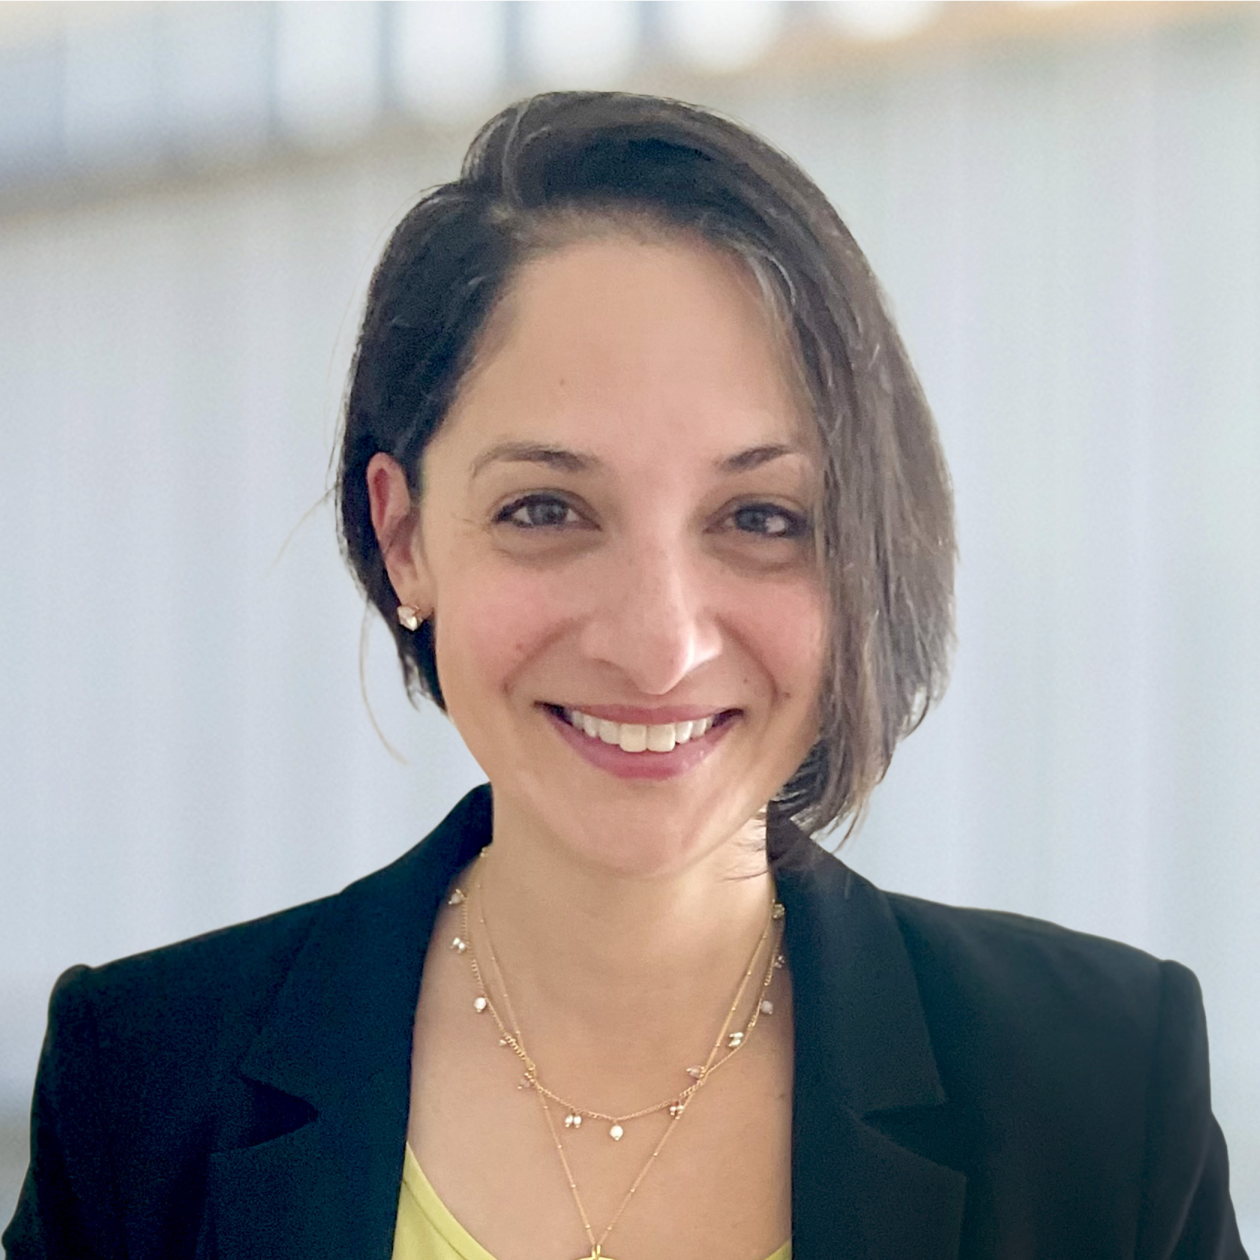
(195, 998)
(160, 1069)
(1048, 1043)
(157, 1034)
(1075, 1066)
(171, 1026)
(981, 969)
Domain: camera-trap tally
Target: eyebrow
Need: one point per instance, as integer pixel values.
(755, 457)
(565, 460)
(557, 457)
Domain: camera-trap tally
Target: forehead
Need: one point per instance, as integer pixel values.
(634, 343)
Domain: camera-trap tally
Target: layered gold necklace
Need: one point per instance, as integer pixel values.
(729, 1041)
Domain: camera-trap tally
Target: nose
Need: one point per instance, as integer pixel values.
(651, 618)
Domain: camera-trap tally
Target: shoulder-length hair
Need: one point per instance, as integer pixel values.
(563, 164)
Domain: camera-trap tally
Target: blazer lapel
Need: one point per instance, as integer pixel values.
(340, 1039)
(862, 1047)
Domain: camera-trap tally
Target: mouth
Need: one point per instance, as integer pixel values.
(645, 738)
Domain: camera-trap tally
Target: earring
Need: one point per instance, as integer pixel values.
(408, 617)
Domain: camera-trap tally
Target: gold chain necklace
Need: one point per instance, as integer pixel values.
(510, 1037)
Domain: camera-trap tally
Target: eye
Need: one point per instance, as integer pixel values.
(769, 520)
(537, 511)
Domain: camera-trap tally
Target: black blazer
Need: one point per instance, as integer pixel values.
(967, 1084)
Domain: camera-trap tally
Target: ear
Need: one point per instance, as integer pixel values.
(396, 520)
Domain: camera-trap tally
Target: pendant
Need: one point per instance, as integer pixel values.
(456, 898)
(767, 1007)
(616, 1133)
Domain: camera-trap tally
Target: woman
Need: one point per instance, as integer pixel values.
(636, 467)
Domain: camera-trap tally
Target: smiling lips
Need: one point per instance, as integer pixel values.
(635, 738)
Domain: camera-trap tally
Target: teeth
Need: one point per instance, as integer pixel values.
(635, 738)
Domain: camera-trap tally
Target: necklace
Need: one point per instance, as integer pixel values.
(511, 1038)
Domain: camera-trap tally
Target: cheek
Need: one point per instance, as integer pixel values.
(490, 625)
(785, 630)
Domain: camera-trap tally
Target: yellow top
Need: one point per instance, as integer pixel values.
(427, 1231)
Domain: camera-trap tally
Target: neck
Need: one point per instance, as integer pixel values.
(633, 967)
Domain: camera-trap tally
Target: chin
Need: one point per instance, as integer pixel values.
(651, 840)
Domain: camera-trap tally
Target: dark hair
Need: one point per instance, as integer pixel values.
(562, 164)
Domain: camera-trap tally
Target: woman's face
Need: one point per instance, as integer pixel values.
(615, 534)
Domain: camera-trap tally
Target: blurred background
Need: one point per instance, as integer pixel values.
(1063, 201)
